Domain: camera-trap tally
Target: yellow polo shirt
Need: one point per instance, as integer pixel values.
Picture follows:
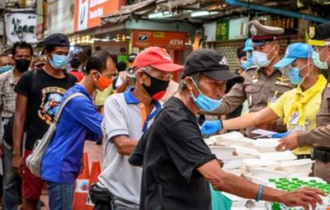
(283, 105)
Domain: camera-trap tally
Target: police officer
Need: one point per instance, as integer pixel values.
(319, 137)
(262, 84)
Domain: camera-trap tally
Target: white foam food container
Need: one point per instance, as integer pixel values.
(223, 152)
(296, 165)
(265, 146)
(233, 138)
(252, 164)
(267, 174)
(244, 150)
(233, 163)
(210, 141)
(278, 156)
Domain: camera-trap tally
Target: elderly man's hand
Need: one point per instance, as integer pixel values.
(302, 197)
(210, 127)
(290, 142)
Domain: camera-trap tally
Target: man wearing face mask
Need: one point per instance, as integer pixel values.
(79, 121)
(298, 107)
(126, 117)
(39, 96)
(245, 59)
(319, 37)
(22, 54)
(177, 164)
(6, 63)
(262, 85)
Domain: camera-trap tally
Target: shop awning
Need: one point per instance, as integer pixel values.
(126, 12)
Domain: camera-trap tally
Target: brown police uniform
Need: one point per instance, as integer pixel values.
(258, 88)
(320, 136)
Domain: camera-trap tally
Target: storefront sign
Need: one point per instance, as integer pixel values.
(238, 28)
(61, 16)
(88, 13)
(113, 48)
(222, 30)
(20, 27)
(168, 40)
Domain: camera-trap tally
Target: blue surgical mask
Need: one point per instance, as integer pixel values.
(261, 59)
(205, 103)
(318, 63)
(248, 63)
(294, 75)
(4, 69)
(58, 62)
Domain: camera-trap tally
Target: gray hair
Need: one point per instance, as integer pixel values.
(196, 77)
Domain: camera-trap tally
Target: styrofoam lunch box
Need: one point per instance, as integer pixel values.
(296, 165)
(222, 152)
(266, 145)
(278, 156)
(267, 174)
(252, 164)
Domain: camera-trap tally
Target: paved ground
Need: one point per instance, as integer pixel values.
(95, 153)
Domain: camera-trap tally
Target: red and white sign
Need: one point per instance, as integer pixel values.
(168, 40)
(88, 13)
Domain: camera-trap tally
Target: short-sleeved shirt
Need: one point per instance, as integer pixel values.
(7, 94)
(170, 152)
(79, 121)
(310, 109)
(123, 116)
(44, 94)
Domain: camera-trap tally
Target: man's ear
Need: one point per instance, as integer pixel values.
(238, 61)
(188, 83)
(140, 77)
(277, 49)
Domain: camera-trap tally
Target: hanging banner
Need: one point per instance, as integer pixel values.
(238, 28)
(20, 27)
(222, 32)
(168, 40)
(88, 13)
(61, 16)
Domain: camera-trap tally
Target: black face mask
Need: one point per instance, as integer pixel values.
(22, 65)
(157, 88)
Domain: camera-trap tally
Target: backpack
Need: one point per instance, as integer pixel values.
(33, 161)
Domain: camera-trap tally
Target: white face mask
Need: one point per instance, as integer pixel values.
(318, 63)
(261, 59)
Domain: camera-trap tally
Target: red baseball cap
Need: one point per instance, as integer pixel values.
(157, 58)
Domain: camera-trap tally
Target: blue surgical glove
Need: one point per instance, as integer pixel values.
(211, 127)
(280, 135)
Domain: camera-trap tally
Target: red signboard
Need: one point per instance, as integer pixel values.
(168, 40)
(88, 13)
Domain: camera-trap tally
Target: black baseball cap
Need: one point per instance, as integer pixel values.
(319, 35)
(57, 40)
(211, 64)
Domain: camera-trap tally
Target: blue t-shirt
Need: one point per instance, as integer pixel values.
(79, 121)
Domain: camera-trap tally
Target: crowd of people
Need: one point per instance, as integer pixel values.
(154, 153)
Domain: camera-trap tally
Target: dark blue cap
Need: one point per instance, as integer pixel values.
(57, 40)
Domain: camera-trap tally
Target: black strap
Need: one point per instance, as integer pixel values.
(321, 154)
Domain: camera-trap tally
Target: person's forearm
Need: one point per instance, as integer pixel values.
(122, 88)
(319, 135)
(243, 188)
(18, 132)
(241, 122)
(126, 147)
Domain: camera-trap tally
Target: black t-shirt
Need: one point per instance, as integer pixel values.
(171, 151)
(44, 94)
